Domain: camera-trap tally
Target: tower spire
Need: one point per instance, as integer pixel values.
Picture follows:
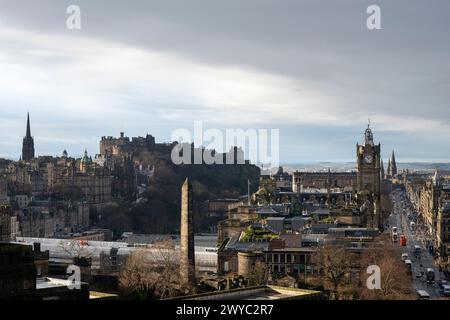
(393, 165)
(28, 143)
(28, 135)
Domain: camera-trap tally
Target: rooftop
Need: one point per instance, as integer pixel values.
(258, 293)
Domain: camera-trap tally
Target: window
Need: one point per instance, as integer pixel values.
(226, 266)
(302, 258)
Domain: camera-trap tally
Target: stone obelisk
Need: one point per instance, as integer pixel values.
(187, 252)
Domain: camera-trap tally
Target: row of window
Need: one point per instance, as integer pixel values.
(285, 258)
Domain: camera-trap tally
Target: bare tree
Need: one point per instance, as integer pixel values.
(259, 275)
(395, 278)
(152, 273)
(78, 250)
(335, 266)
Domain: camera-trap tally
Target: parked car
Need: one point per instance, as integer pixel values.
(442, 283)
(404, 256)
(446, 291)
(408, 263)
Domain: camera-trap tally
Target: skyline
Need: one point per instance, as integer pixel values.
(312, 70)
(321, 162)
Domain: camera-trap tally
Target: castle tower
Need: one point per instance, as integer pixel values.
(187, 251)
(28, 143)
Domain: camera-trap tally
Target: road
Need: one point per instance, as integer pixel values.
(414, 237)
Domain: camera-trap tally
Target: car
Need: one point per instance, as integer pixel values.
(423, 295)
(404, 256)
(446, 291)
(408, 263)
(442, 283)
(419, 275)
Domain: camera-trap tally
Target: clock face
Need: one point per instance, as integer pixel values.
(368, 158)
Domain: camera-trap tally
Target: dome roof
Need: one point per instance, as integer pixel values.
(86, 158)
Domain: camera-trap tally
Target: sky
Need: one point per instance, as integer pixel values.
(311, 69)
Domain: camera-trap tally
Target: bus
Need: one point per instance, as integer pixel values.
(430, 276)
(423, 295)
(403, 240)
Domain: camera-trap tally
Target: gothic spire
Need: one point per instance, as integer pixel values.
(389, 167)
(28, 135)
(28, 143)
(393, 165)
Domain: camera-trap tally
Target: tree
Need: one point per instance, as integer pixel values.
(78, 250)
(395, 277)
(152, 274)
(259, 275)
(335, 266)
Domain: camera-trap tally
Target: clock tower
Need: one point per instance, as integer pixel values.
(368, 168)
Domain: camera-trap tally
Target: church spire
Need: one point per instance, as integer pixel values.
(393, 165)
(28, 126)
(28, 143)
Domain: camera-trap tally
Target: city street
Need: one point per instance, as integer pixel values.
(415, 236)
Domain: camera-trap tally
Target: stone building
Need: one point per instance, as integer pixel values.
(323, 180)
(24, 276)
(443, 234)
(427, 194)
(95, 182)
(9, 227)
(368, 180)
(49, 219)
(124, 146)
(122, 168)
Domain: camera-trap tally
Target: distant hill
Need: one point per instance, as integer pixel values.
(161, 211)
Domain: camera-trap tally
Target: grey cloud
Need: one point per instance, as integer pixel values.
(399, 71)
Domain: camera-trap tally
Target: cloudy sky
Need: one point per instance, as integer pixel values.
(309, 68)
